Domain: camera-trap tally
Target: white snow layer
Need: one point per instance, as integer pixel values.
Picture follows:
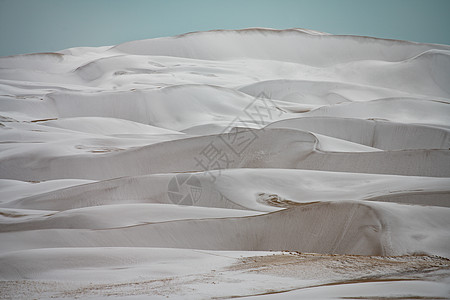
(272, 164)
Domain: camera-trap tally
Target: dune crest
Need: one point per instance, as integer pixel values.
(228, 163)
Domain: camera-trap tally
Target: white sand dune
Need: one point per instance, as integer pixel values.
(285, 45)
(273, 148)
(428, 68)
(401, 110)
(253, 189)
(123, 215)
(175, 107)
(107, 126)
(320, 92)
(374, 133)
(327, 227)
(171, 167)
(15, 189)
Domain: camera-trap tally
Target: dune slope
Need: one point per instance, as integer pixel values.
(228, 163)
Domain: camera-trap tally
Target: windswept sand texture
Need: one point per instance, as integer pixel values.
(254, 163)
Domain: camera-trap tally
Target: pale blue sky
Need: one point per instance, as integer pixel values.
(49, 25)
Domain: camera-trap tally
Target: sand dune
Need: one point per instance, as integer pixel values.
(343, 228)
(285, 45)
(254, 189)
(171, 167)
(124, 215)
(319, 92)
(175, 107)
(401, 110)
(107, 126)
(374, 133)
(274, 148)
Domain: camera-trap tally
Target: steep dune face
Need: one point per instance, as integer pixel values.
(175, 107)
(252, 189)
(342, 228)
(375, 133)
(153, 157)
(274, 148)
(319, 92)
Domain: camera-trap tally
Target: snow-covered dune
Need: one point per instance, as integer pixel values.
(184, 167)
(318, 227)
(374, 133)
(284, 45)
(253, 189)
(274, 148)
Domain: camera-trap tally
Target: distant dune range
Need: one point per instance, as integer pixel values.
(163, 167)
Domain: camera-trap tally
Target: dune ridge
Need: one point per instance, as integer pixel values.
(228, 163)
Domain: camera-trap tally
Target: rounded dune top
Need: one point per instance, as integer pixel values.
(292, 45)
